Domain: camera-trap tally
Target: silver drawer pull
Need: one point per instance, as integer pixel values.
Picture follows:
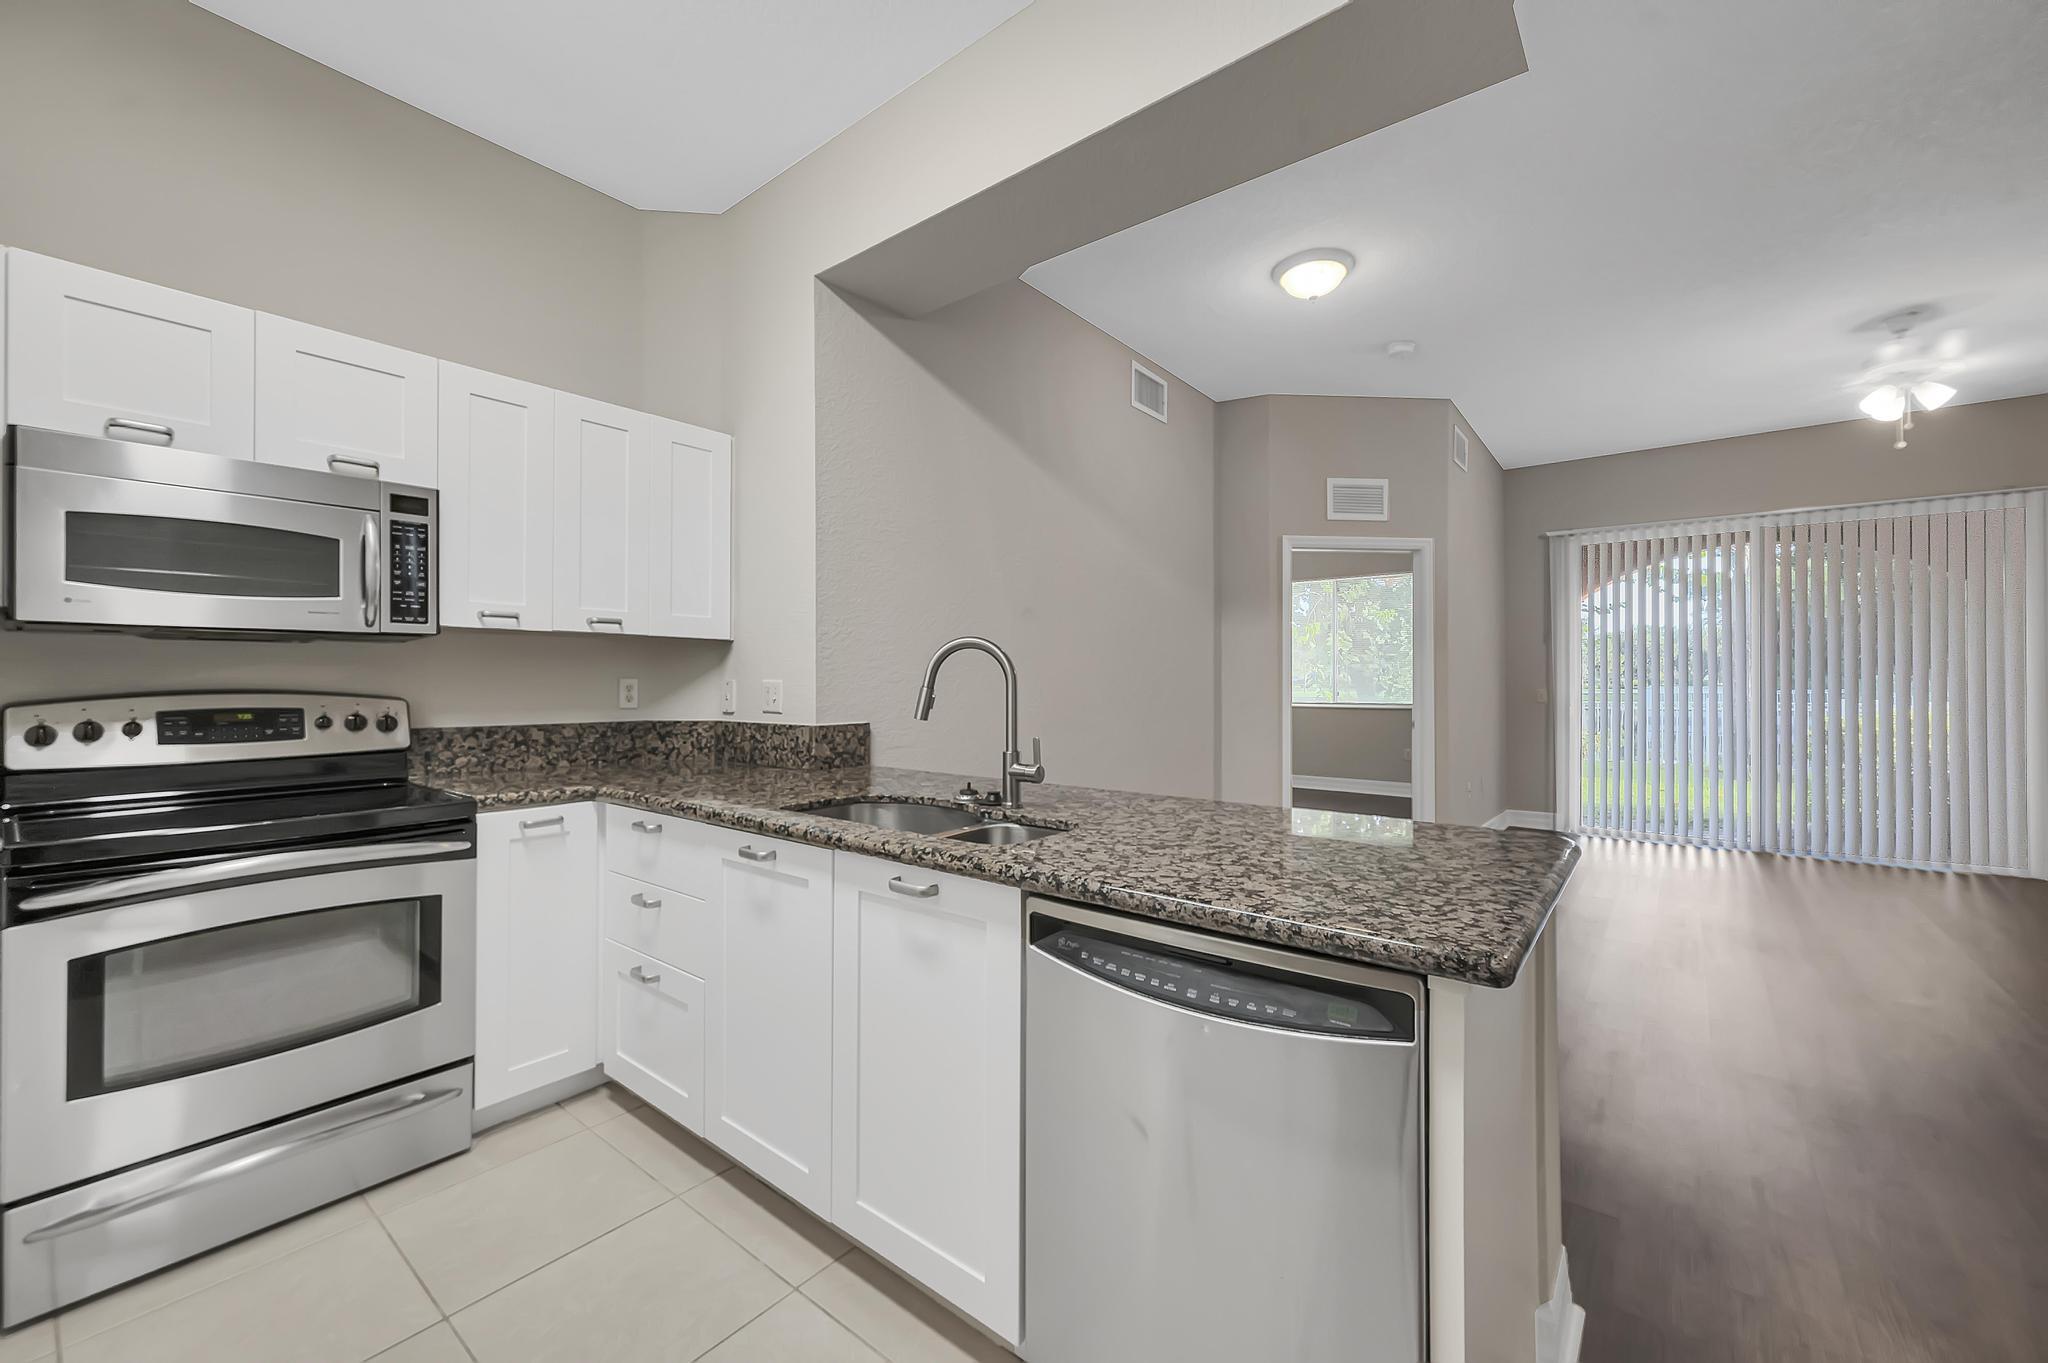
(338, 462)
(756, 854)
(642, 826)
(513, 616)
(595, 620)
(641, 901)
(902, 886)
(640, 976)
(121, 428)
(551, 822)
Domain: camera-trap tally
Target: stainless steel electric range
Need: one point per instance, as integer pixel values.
(237, 975)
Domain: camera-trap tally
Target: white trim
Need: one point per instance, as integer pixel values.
(1353, 705)
(1353, 785)
(1519, 818)
(1560, 1322)
(1422, 773)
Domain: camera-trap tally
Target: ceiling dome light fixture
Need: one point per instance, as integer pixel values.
(1309, 275)
(1904, 392)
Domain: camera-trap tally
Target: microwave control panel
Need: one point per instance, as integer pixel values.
(411, 574)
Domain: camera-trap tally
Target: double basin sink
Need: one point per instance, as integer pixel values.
(955, 825)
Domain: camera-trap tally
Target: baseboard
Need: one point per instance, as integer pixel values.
(1352, 785)
(1560, 1322)
(1522, 818)
(537, 1099)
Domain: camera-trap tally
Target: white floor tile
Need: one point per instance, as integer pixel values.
(437, 1345)
(768, 1225)
(601, 1104)
(339, 1300)
(500, 1145)
(896, 1318)
(486, 1231)
(793, 1331)
(29, 1343)
(672, 1155)
(665, 1287)
(182, 1280)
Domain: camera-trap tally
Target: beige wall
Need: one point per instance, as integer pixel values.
(1353, 743)
(1961, 449)
(981, 471)
(1316, 565)
(1471, 712)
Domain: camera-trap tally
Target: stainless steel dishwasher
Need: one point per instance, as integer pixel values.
(1223, 1152)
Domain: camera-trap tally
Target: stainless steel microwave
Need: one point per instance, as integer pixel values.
(108, 535)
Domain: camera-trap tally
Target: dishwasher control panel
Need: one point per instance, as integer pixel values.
(1229, 989)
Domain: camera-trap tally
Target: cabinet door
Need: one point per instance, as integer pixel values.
(927, 1075)
(601, 452)
(768, 1080)
(536, 948)
(497, 469)
(651, 1032)
(340, 404)
(100, 354)
(688, 536)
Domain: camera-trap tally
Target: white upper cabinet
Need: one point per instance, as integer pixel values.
(99, 354)
(601, 458)
(341, 404)
(689, 535)
(497, 446)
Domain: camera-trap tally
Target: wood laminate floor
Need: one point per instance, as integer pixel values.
(1804, 1110)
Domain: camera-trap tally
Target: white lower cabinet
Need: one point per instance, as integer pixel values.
(768, 1074)
(651, 1031)
(927, 1073)
(536, 949)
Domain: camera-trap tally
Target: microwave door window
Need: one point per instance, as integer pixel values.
(185, 557)
(183, 1005)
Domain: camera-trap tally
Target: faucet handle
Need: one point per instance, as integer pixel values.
(1032, 771)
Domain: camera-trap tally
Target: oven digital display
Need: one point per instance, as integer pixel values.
(230, 726)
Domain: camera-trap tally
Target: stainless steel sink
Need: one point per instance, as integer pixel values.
(899, 814)
(1001, 834)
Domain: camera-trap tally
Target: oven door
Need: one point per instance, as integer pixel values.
(115, 553)
(131, 1032)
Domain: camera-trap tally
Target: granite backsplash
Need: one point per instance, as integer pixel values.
(681, 742)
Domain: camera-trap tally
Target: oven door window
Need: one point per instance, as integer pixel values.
(199, 558)
(183, 1005)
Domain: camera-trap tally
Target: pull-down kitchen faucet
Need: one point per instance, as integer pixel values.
(1015, 769)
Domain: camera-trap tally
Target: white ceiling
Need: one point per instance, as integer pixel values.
(1669, 230)
(685, 105)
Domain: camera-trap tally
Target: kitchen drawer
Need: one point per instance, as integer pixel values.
(651, 1032)
(673, 927)
(660, 849)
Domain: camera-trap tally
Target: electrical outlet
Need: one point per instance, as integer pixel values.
(1543, 695)
(629, 693)
(729, 698)
(771, 697)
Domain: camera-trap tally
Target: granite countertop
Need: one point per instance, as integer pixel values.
(1435, 899)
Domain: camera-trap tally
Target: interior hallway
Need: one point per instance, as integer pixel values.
(1804, 1109)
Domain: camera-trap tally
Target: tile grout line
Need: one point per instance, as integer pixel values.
(449, 1316)
(432, 1300)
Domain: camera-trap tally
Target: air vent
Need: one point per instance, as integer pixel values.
(1358, 499)
(1148, 391)
(1461, 448)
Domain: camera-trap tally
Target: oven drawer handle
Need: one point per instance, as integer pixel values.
(385, 1110)
(189, 877)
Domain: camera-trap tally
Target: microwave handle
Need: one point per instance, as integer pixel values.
(373, 577)
(235, 868)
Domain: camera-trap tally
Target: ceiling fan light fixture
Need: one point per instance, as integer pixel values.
(1931, 395)
(1309, 275)
(1884, 403)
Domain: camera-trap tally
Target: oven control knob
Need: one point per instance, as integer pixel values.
(132, 729)
(355, 723)
(87, 730)
(324, 722)
(387, 723)
(40, 736)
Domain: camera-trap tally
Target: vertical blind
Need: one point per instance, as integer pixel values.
(1862, 683)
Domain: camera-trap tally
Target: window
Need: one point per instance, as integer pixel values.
(1354, 641)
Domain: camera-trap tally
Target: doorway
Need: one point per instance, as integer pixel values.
(1357, 723)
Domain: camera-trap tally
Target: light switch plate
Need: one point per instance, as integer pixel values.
(771, 697)
(729, 698)
(629, 693)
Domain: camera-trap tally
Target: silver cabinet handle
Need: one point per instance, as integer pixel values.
(357, 1119)
(121, 428)
(642, 826)
(341, 460)
(641, 901)
(482, 616)
(236, 868)
(373, 586)
(552, 821)
(640, 975)
(595, 620)
(756, 854)
(902, 886)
